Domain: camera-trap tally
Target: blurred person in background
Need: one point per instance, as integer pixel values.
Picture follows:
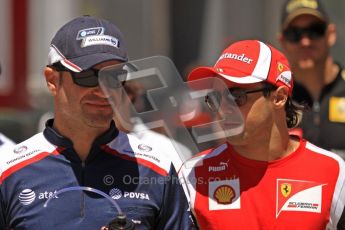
(263, 177)
(306, 38)
(81, 146)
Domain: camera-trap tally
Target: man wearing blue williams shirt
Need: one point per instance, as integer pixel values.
(81, 146)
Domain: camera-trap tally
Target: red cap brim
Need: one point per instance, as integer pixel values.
(202, 72)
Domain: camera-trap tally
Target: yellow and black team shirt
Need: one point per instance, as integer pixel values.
(324, 123)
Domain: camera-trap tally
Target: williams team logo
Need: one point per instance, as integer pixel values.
(298, 195)
(95, 36)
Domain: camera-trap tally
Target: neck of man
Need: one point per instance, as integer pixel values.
(314, 77)
(81, 135)
(269, 144)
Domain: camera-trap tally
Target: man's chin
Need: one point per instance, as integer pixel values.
(99, 121)
(235, 139)
(306, 64)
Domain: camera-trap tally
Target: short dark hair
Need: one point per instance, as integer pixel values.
(294, 112)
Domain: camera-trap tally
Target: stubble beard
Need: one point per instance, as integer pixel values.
(98, 120)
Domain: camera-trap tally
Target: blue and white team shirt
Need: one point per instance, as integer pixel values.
(137, 176)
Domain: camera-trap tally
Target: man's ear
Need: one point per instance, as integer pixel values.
(280, 96)
(331, 34)
(52, 80)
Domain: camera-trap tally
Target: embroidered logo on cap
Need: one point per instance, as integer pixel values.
(293, 5)
(95, 36)
(100, 40)
(285, 74)
(89, 32)
(239, 57)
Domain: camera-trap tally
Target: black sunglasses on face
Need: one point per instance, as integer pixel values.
(313, 32)
(89, 77)
(237, 95)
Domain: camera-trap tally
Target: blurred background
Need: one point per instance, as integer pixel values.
(190, 32)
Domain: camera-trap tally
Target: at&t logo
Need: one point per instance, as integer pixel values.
(27, 196)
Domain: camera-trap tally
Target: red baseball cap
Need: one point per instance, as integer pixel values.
(246, 62)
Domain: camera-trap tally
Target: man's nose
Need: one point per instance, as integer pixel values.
(99, 92)
(305, 40)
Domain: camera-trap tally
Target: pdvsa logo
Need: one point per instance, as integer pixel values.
(136, 195)
(115, 193)
(27, 196)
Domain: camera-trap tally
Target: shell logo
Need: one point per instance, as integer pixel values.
(224, 194)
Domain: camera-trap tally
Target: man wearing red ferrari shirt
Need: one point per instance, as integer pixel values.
(262, 178)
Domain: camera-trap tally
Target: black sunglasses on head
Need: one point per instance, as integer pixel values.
(89, 77)
(231, 95)
(313, 32)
